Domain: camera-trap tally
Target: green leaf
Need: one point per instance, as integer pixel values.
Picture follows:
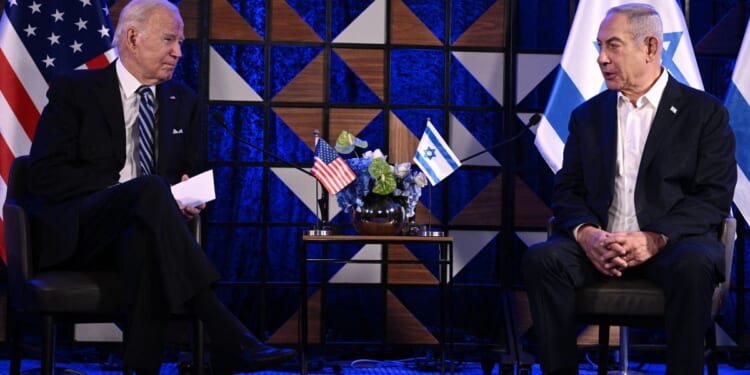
(346, 142)
(385, 182)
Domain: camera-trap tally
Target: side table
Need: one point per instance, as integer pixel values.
(443, 245)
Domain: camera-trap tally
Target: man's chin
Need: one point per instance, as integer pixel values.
(612, 85)
(166, 76)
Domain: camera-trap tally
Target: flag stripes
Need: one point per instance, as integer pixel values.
(579, 77)
(330, 168)
(34, 48)
(736, 101)
(434, 157)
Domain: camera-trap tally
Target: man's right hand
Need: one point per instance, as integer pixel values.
(595, 243)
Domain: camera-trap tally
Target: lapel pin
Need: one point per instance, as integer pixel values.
(172, 97)
(176, 131)
(673, 109)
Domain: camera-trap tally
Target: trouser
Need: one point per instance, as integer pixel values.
(136, 228)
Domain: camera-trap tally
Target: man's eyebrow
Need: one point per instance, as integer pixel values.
(173, 36)
(610, 40)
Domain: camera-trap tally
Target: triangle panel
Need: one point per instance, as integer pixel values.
(403, 327)
(307, 86)
(487, 31)
(286, 184)
(313, 12)
(486, 207)
(407, 273)
(532, 69)
(288, 26)
(303, 122)
(539, 94)
(367, 28)
(468, 246)
(302, 186)
(407, 28)
(226, 84)
(288, 333)
(402, 142)
(230, 23)
(354, 120)
(487, 70)
(368, 65)
(346, 85)
(464, 144)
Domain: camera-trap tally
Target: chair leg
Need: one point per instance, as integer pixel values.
(15, 334)
(48, 345)
(711, 360)
(624, 349)
(198, 347)
(603, 349)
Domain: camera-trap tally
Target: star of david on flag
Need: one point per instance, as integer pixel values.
(737, 99)
(434, 157)
(330, 168)
(39, 39)
(579, 77)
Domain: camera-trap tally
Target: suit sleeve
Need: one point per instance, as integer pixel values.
(570, 204)
(61, 166)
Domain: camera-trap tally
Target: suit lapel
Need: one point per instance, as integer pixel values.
(168, 104)
(608, 140)
(108, 94)
(669, 106)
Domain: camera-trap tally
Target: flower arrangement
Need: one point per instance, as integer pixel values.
(376, 176)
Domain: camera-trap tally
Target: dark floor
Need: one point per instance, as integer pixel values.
(412, 366)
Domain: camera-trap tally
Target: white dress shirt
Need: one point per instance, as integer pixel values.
(633, 126)
(130, 101)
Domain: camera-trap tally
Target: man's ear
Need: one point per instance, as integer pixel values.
(130, 37)
(653, 46)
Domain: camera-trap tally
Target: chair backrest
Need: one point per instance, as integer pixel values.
(16, 227)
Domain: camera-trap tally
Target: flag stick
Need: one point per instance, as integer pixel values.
(321, 228)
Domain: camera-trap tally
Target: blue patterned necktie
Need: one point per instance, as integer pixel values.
(146, 130)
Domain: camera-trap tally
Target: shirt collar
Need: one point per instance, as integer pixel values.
(653, 95)
(128, 83)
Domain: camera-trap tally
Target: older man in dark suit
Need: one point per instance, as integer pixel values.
(107, 147)
(648, 176)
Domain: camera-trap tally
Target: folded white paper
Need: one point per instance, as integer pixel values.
(196, 190)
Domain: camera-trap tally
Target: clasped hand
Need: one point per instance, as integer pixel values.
(612, 253)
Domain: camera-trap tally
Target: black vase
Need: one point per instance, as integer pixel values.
(380, 215)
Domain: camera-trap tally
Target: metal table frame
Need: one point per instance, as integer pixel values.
(445, 266)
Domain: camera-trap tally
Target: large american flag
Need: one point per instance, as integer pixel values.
(330, 168)
(40, 39)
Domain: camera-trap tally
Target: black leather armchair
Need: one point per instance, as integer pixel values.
(56, 296)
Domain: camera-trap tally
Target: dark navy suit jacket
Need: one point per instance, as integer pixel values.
(79, 149)
(687, 172)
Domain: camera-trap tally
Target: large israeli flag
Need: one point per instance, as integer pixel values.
(579, 77)
(736, 101)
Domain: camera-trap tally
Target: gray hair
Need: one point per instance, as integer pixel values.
(136, 13)
(643, 19)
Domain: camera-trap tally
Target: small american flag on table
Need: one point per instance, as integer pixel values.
(330, 168)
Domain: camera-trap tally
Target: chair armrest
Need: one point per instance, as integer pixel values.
(195, 228)
(728, 232)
